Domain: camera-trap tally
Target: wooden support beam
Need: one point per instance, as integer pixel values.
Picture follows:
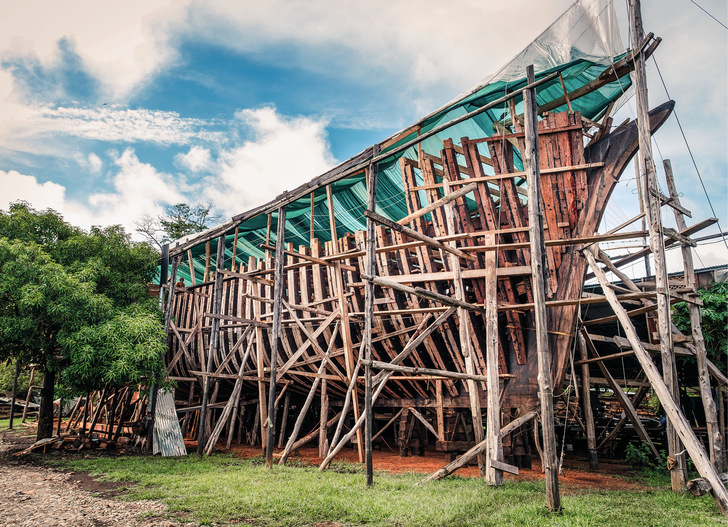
(308, 258)
(424, 293)
(495, 446)
(439, 203)
(276, 335)
(538, 279)
(422, 419)
(479, 448)
(651, 197)
(715, 438)
(415, 341)
(307, 403)
(214, 340)
(692, 445)
(386, 366)
(370, 262)
(624, 401)
(419, 236)
(466, 345)
(292, 360)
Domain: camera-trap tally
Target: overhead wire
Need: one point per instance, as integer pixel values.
(690, 151)
(708, 13)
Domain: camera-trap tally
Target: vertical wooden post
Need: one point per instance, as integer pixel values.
(29, 394)
(60, 419)
(86, 410)
(233, 264)
(538, 253)
(466, 344)
(591, 436)
(440, 411)
(214, 341)
(678, 475)
(279, 278)
(715, 439)
(284, 419)
(14, 392)
(206, 276)
(641, 199)
(369, 313)
(323, 420)
(191, 265)
(312, 234)
(495, 446)
(345, 326)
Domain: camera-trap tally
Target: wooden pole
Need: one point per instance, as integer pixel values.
(14, 393)
(715, 438)
(466, 344)
(672, 409)
(371, 264)
(307, 404)
(323, 420)
(29, 394)
(275, 336)
(480, 447)
(678, 475)
(86, 407)
(625, 403)
(495, 446)
(538, 267)
(214, 341)
(591, 435)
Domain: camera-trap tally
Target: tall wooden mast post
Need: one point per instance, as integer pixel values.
(275, 336)
(538, 259)
(369, 315)
(651, 195)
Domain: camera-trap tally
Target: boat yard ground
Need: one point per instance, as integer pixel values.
(99, 488)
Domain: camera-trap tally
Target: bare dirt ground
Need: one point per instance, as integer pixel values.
(32, 495)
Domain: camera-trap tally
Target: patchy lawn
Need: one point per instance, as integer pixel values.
(228, 490)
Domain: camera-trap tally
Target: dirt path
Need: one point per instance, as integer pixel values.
(42, 496)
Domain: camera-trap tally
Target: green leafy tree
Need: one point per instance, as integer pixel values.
(714, 321)
(76, 303)
(178, 221)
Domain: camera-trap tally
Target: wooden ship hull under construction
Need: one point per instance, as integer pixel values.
(324, 303)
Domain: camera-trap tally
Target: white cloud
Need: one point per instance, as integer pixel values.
(196, 160)
(123, 125)
(95, 163)
(138, 190)
(120, 43)
(92, 162)
(17, 186)
(282, 153)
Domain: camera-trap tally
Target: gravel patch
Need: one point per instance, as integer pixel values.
(43, 496)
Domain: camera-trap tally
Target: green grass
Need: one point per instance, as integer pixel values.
(223, 489)
(5, 425)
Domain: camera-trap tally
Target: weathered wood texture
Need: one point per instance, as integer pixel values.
(322, 286)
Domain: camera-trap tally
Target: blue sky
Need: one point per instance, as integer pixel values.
(107, 113)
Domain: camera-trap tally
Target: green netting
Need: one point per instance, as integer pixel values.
(350, 195)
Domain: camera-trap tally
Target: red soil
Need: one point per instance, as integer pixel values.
(576, 475)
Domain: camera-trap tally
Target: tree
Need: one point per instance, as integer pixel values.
(714, 321)
(178, 221)
(76, 303)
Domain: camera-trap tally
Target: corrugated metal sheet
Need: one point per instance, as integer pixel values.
(168, 438)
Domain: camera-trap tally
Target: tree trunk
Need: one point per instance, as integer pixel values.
(45, 414)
